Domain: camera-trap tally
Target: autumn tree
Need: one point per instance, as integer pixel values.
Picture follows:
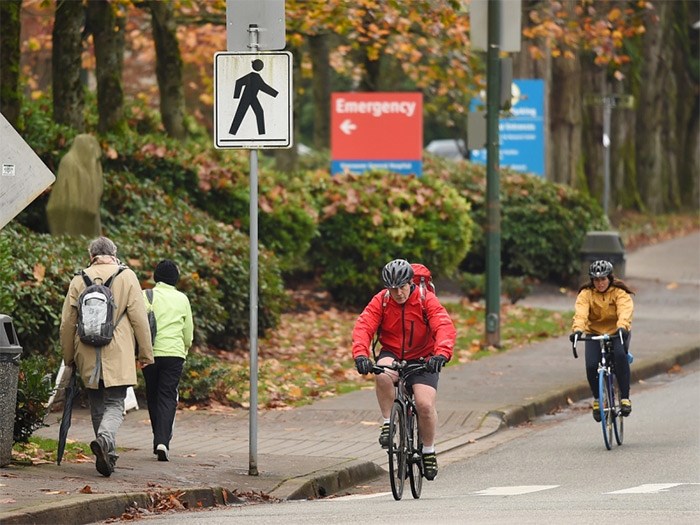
(168, 67)
(68, 96)
(105, 20)
(10, 51)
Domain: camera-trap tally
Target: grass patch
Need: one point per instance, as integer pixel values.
(43, 450)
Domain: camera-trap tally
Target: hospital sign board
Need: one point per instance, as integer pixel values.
(376, 130)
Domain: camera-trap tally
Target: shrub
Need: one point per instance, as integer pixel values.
(33, 391)
(542, 224)
(370, 219)
(147, 225)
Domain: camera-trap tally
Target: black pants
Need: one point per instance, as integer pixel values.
(622, 366)
(162, 379)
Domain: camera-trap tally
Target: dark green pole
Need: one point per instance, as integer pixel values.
(493, 206)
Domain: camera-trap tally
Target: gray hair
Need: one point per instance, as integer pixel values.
(102, 246)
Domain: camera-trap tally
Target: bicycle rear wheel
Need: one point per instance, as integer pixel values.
(415, 458)
(619, 421)
(397, 450)
(606, 414)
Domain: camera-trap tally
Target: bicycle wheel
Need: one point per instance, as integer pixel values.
(415, 458)
(397, 450)
(606, 419)
(619, 421)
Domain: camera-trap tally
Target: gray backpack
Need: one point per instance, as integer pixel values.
(96, 309)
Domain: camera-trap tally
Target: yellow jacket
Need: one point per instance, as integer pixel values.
(603, 313)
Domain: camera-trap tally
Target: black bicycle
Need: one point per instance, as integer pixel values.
(405, 444)
(608, 390)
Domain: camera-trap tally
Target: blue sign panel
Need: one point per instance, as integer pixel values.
(403, 167)
(521, 134)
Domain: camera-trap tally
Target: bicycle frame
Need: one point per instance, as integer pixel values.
(608, 395)
(405, 452)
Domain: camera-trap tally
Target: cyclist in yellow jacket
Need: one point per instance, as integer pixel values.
(604, 306)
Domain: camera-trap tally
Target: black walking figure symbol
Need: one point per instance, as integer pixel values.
(250, 84)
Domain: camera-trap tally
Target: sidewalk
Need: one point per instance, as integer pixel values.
(320, 449)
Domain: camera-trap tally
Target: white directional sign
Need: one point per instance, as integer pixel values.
(23, 175)
(253, 100)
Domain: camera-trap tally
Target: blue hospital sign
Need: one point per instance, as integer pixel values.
(521, 134)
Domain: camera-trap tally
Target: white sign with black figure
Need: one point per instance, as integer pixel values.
(253, 100)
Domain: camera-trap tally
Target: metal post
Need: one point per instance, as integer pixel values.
(253, 410)
(493, 206)
(607, 111)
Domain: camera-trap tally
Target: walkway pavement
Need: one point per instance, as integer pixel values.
(320, 449)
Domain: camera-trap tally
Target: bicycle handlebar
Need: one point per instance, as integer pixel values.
(408, 368)
(603, 337)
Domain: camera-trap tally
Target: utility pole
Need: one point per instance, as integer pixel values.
(493, 205)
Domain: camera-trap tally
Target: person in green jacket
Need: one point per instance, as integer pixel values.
(173, 339)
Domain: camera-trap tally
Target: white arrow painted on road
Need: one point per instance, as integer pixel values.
(347, 126)
(515, 490)
(647, 488)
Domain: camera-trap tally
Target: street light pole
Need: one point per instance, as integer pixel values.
(493, 206)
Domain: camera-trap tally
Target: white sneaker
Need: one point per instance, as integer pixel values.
(162, 453)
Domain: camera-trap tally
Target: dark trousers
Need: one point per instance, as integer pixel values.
(162, 379)
(622, 366)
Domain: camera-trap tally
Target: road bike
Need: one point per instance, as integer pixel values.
(611, 418)
(405, 444)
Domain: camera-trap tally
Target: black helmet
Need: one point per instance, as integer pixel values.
(397, 273)
(600, 269)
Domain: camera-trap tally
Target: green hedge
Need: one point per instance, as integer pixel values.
(147, 225)
(542, 224)
(371, 219)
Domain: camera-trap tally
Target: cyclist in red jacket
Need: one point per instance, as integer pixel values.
(410, 328)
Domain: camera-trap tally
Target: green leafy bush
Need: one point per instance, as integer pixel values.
(147, 225)
(542, 224)
(373, 218)
(204, 378)
(34, 388)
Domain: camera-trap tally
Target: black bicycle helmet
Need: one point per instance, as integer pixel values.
(600, 269)
(397, 273)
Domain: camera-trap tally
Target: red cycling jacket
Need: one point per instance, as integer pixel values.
(404, 332)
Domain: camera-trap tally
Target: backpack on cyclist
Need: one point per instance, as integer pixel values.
(151, 314)
(96, 309)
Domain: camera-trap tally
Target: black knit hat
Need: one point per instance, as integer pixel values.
(166, 272)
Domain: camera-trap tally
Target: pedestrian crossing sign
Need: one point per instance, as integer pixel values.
(253, 100)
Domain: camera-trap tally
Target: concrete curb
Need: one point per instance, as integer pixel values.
(90, 508)
(327, 482)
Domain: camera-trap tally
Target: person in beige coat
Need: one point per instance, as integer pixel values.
(108, 376)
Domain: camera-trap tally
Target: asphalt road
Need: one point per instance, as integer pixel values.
(554, 471)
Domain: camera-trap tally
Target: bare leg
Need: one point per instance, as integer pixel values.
(426, 397)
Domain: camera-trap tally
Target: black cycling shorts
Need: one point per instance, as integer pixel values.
(421, 378)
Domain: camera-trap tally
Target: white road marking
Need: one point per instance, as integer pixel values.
(649, 488)
(515, 490)
(360, 496)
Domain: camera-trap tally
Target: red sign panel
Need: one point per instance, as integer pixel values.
(377, 126)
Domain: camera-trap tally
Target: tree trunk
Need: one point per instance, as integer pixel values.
(321, 86)
(68, 96)
(108, 32)
(685, 63)
(10, 26)
(565, 120)
(168, 69)
(657, 118)
(286, 159)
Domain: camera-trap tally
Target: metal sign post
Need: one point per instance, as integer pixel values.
(608, 102)
(242, 121)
